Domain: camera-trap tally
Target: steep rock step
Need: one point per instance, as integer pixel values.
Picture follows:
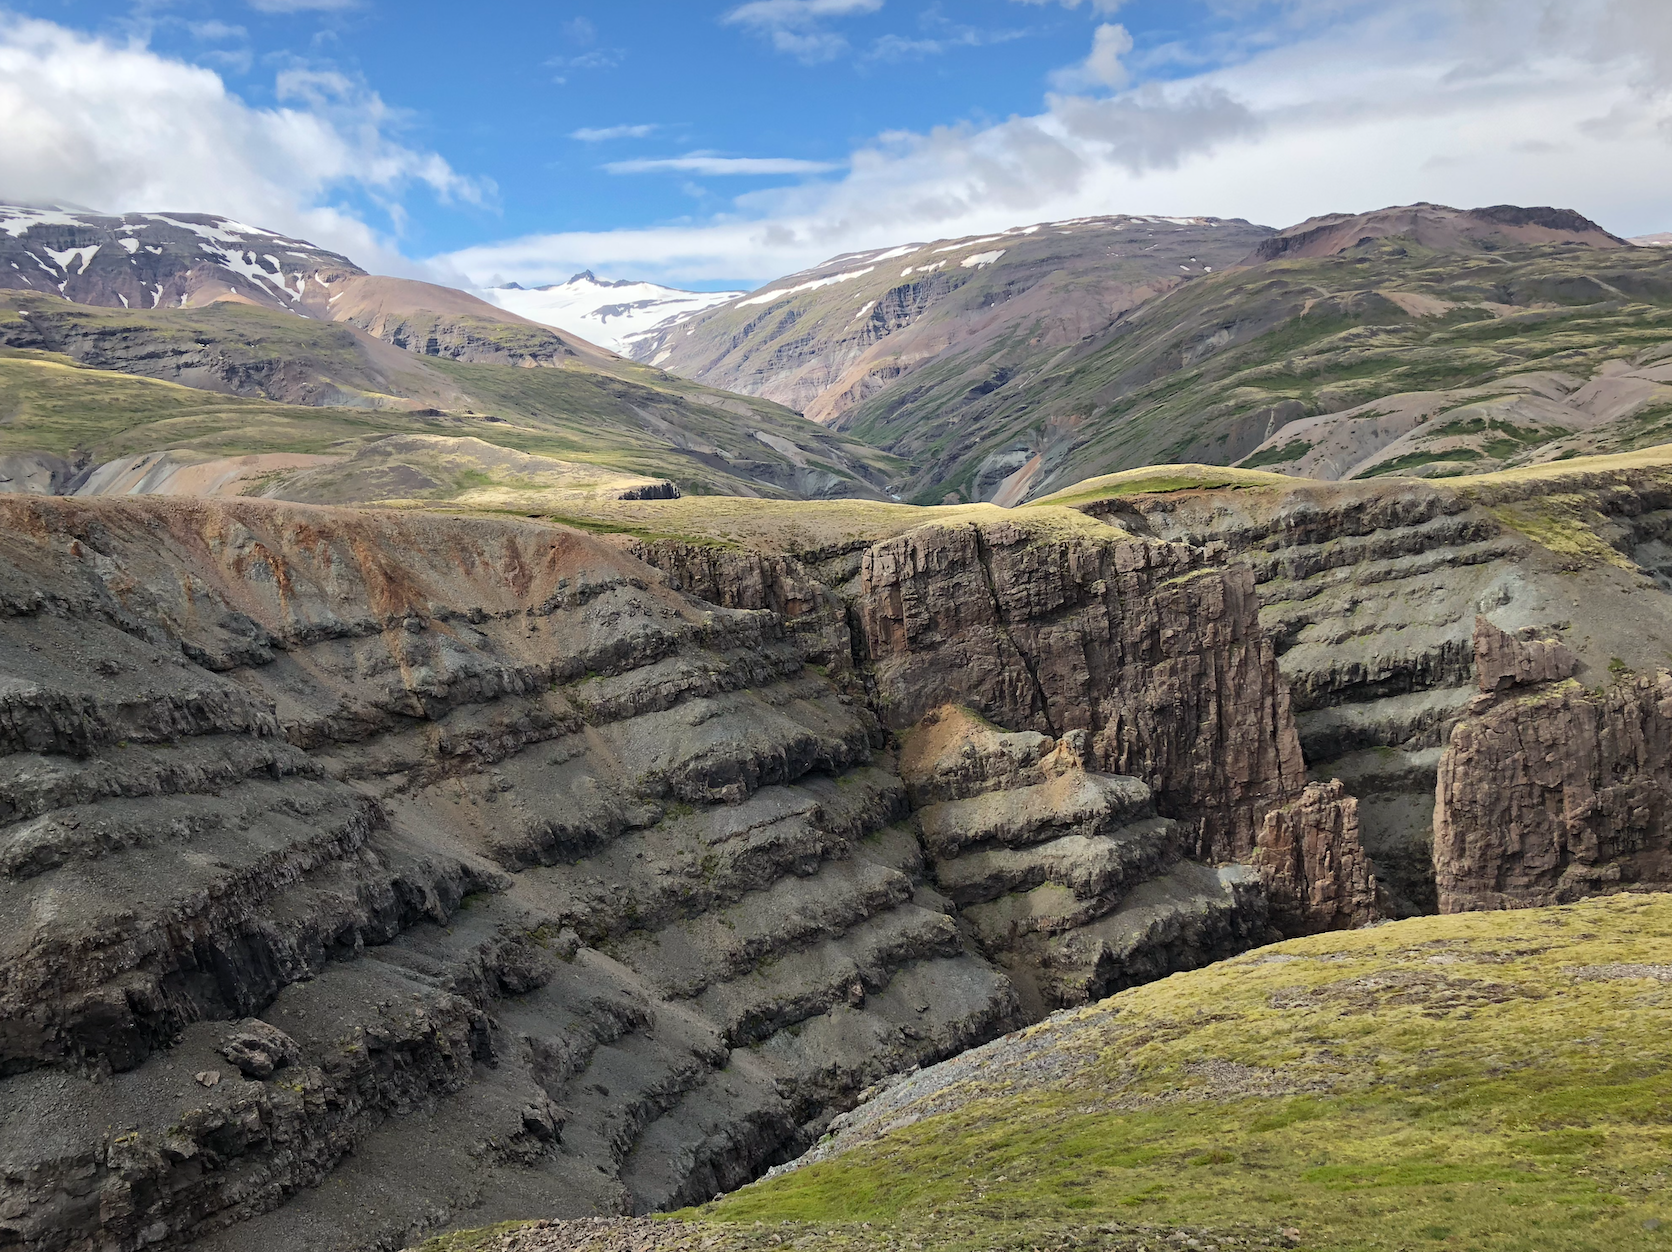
(75, 683)
(1151, 648)
(930, 1010)
(1073, 803)
(32, 784)
(1189, 917)
(691, 863)
(138, 799)
(843, 970)
(684, 959)
(1410, 722)
(1091, 867)
(722, 749)
(161, 937)
(717, 1136)
(157, 1157)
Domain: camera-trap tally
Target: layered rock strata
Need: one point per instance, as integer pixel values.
(561, 889)
(1401, 610)
(1066, 876)
(1551, 792)
(1148, 656)
(1154, 651)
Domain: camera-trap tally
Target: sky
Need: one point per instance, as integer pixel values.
(723, 143)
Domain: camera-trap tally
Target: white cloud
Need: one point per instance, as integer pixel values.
(706, 163)
(796, 26)
(1333, 105)
(122, 128)
(1103, 66)
(601, 134)
(216, 30)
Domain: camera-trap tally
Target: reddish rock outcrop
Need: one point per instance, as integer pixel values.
(1316, 871)
(1557, 795)
(1160, 657)
(1502, 661)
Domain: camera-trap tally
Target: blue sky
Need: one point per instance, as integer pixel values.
(721, 143)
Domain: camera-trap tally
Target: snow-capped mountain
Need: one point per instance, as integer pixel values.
(151, 260)
(611, 314)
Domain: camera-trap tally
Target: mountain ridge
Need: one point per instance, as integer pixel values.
(617, 313)
(1051, 380)
(235, 310)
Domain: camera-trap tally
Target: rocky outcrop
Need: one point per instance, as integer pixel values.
(332, 832)
(1370, 593)
(1316, 872)
(814, 616)
(1065, 876)
(326, 833)
(1502, 661)
(1557, 795)
(1152, 650)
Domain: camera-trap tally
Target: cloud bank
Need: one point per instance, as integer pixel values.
(1325, 105)
(120, 128)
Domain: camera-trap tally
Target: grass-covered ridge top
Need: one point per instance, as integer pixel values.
(261, 380)
(806, 527)
(1163, 478)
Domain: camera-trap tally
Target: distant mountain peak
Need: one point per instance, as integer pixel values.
(1436, 226)
(151, 260)
(631, 309)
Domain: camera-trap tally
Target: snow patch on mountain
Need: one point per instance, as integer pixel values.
(613, 315)
(782, 292)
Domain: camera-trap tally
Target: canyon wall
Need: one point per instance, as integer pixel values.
(1478, 665)
(371, 872)
(493, 869)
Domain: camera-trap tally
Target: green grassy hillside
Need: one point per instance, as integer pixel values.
(1206, 371)
(95, 383)
(1492, 1081)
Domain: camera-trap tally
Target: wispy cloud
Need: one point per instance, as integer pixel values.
(707, 163)
(945, 38)
(600, 134)
(1105, 7)
(215, 30)
(797, 26)
(302, 6)
(580, 34)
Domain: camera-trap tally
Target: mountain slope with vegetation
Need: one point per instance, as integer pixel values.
(1209, 371)
(939, 323)
(213, 305)
(1473, 339)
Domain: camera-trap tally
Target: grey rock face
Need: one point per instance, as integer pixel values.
(482, 871)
